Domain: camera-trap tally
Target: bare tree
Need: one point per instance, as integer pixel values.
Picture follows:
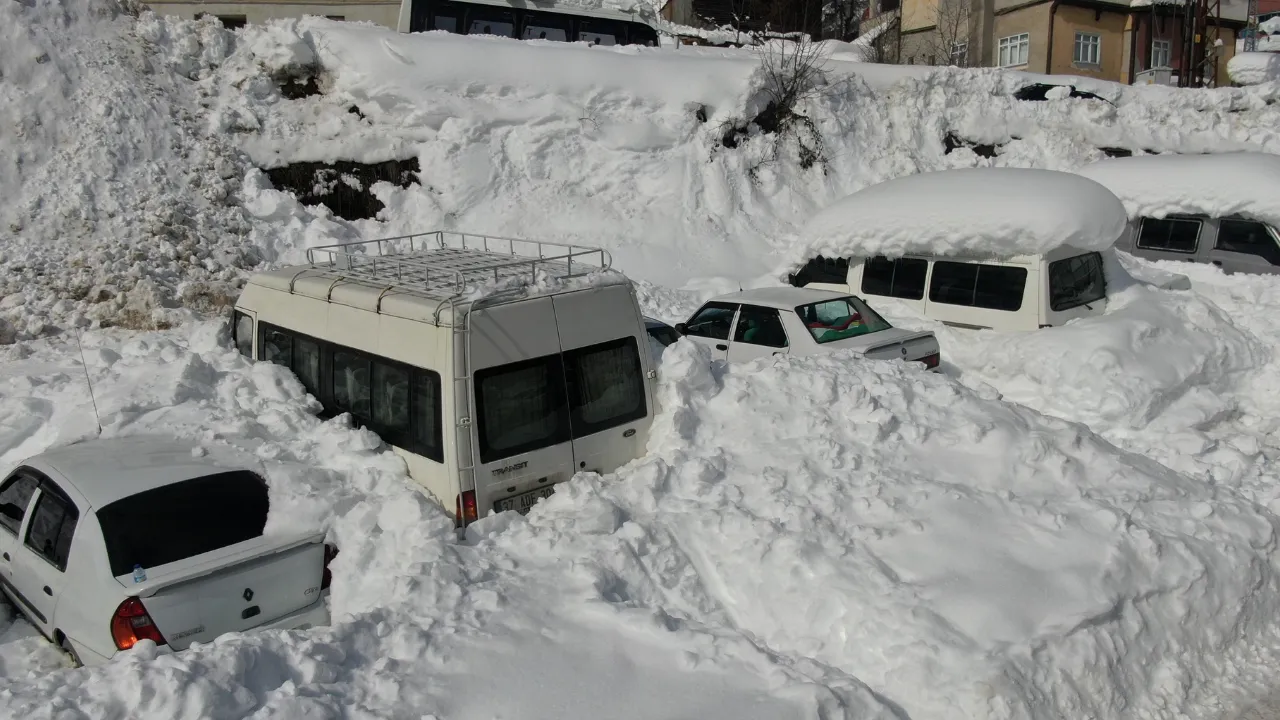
(842, 19)
(948, 43)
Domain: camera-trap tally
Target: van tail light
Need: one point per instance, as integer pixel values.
(467, 512)
(330, 552)
(931, 361)
(131, 623)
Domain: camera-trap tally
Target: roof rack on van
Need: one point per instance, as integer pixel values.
(442, 263)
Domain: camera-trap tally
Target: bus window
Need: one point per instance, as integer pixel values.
(601, 32)
(484, 21)
(545, 26)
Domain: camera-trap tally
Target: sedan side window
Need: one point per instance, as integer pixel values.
(53, 523)
(1248, 237)
(15, 496)
(712, 321)
(760, 326)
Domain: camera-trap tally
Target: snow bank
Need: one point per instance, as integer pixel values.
(983, 212)
(1215, 185)
(115, 209)
(1253, 68)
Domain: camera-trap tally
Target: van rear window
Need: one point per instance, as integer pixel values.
(994, 287)
(183, 520)
(606, 386)
(521, 407)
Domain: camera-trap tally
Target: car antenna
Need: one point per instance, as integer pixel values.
(85, 366)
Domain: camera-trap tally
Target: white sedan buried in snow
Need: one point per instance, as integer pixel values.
(109, 542)
(800, 321)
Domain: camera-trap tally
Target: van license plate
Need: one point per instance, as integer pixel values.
(523, 502)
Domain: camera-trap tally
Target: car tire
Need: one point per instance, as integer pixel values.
(65, 645)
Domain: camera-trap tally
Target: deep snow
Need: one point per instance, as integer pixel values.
(1077, 522)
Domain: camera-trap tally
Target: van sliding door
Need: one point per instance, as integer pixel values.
(604, 349)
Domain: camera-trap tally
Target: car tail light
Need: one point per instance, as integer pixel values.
(131, 623)
(931, 361)
(330, 552)
(467, 512)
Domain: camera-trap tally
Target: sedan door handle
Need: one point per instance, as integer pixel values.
(47, 591)
(722, 347)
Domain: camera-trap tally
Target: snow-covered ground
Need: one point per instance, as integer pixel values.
(1079, 522)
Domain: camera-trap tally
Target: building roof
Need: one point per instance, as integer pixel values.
(1221, 185)
(111, 469)
(972, 213)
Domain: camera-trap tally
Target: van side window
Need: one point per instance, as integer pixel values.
(1248, 237)
(1076, 281)
(351, 383)
(242, 333)
(712, 321)
(1180, 235)
(901, 278)
(53, 523)
(833, 271)
(606, 386)
(760, 326)
(521, 407)
(994, 287)
(16, 492)
(398, 402)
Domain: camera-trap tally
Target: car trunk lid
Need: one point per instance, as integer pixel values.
(890, 344)
(234, 588)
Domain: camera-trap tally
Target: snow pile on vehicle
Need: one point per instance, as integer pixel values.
(1254, 68)
(978, 212)
(115, 208)
(1216, 185)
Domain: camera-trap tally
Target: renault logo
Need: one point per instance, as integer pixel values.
(247, 594)
(904, 351)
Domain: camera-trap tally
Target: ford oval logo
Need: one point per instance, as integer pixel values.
(629, 433)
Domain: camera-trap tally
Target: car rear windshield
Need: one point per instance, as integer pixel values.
(841, 318)
(183, 520)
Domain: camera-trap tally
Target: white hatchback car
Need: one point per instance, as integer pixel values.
(801, 321)
(109, 542)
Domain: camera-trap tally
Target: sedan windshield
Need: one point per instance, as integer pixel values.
(183, 520)
(841, 318)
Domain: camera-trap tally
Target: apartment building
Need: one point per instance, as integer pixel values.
(1115, 41)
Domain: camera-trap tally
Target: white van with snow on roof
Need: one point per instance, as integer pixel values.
(1221, 210)
(495, 367)
(998, 248)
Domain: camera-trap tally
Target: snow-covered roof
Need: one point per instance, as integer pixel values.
(978, 212)
(1216, 185)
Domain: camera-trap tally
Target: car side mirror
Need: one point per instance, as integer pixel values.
(11, 511)
(681, 328)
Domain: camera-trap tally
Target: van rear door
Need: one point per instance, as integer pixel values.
(519, 410)
(606, 372)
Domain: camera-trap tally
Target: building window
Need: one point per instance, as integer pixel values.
(1014, 49)
(1088, 49)
(960, 54)
(1161, 50)
(230, 22)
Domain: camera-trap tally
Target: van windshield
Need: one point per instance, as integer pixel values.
(841, 318)
(182, 520)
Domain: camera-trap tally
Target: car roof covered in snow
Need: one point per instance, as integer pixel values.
(1241, 183)
(972, 213)
(111, 469)
(783, 298)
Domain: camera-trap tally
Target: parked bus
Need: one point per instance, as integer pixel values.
(517, 19)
